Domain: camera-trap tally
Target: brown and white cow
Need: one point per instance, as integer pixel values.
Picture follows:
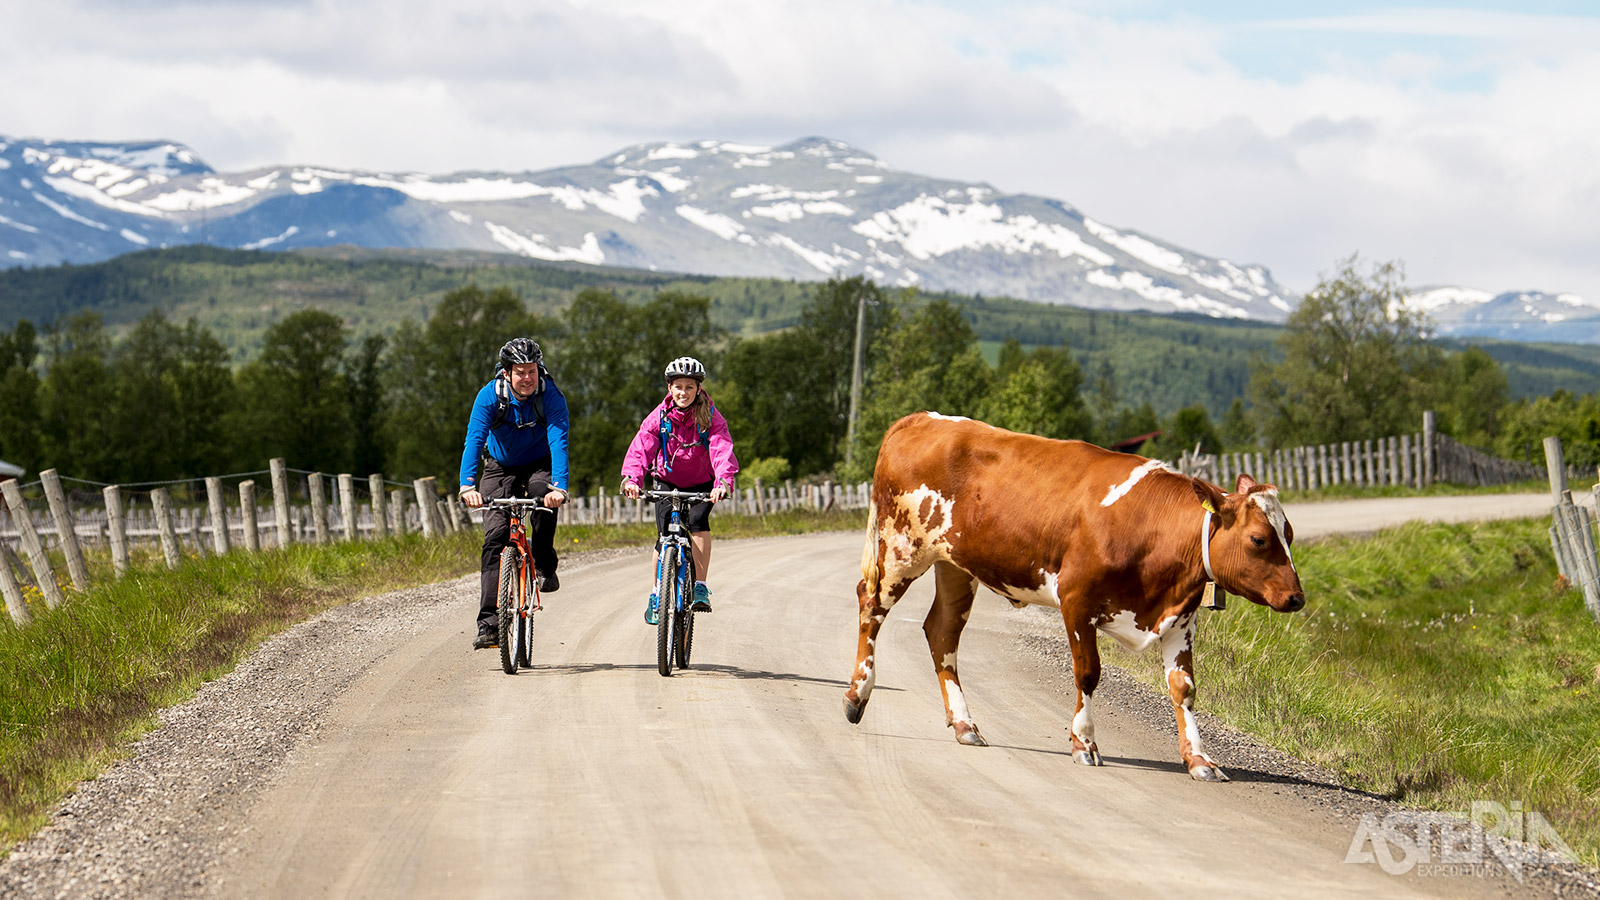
(1119, 543)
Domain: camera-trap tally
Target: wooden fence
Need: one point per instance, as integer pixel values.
(315, 508)
(1417, 460)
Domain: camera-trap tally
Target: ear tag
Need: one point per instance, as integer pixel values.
(1206, 505)
(1214, 597)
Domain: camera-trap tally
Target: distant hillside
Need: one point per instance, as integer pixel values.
(1172, 361)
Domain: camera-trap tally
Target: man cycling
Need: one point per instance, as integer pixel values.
(520, 419)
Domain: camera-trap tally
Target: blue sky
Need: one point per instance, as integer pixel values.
(1460, 138)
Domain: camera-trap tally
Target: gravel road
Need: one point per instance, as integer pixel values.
(370, 753)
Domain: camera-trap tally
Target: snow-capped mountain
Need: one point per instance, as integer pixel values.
(806, 210)
(1514, 316)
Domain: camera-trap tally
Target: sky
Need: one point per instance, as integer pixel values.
(1461, 139)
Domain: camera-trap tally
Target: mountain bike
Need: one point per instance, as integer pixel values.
(674, 584)
(518, 598)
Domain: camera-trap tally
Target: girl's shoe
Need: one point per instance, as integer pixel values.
(652, 615)
(702, 598)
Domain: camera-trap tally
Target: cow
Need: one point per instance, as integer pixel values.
(1121, 544)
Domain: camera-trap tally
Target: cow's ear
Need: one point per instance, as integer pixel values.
(1212, 498)
(1245, 483)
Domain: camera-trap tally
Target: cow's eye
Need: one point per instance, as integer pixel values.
(1258, 541)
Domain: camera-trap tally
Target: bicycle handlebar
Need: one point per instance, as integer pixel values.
(536, 503)
(675, 494)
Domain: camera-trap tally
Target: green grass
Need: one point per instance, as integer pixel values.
(1439, 489)
(1434, 664)
(84, 681)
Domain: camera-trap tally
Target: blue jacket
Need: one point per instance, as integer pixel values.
(513, 446)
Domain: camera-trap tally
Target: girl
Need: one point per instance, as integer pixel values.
(684, 442)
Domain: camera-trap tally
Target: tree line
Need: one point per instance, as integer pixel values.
(163, 402)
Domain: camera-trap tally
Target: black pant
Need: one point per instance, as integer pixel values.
(498, 482)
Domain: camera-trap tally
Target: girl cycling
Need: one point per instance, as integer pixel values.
(685, 444)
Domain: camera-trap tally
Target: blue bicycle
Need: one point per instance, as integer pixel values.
(674, 584)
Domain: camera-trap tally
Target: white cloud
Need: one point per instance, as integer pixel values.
(1456, 140)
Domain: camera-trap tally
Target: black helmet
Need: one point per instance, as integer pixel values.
(519, 351)
(686, 367)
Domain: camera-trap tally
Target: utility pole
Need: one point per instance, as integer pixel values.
(855, 378)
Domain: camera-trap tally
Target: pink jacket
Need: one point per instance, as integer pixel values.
(691, 462)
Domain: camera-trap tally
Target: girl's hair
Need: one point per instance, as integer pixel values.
(701, 407)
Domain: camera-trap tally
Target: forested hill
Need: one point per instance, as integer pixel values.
(1171, 361)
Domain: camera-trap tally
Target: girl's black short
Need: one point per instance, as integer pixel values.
(696, 516)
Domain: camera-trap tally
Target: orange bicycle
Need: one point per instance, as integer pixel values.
(518, 598)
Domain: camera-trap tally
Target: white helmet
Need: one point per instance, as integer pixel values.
(686, 367)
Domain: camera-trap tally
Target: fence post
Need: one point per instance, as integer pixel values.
(347, 505)
(219, 515)
(425, 500)
(380, 521)
(15, 605)
(1555, 465)
(42, 572)
(62, 514)
(117, 528)
(169, 534)
(454, 510)
(319, 508)
(280, 500)
(1430, 447)
(1405, 461)
(247, 514)
(397, 508)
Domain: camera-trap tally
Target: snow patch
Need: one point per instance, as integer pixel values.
(68, 214)
(533, 245)
(716, 223)
(289, 232)
(932, 226)
(134, 237)
(819, 260)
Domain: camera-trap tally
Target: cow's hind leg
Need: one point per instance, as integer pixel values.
(1177, 652)
(952, 606)
(886, 574)
(1086, 673)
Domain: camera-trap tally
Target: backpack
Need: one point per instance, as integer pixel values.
(666, 432)
(503, 397)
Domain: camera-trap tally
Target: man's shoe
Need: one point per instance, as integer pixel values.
(652, 615)
(549, 584)
(486, 639)
(702, 598)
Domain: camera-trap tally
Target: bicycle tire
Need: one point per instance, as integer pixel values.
(525, 639)
(510, 566)
(685, 629)
(667, 606)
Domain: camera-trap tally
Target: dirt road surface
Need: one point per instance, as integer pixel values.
(436, 775)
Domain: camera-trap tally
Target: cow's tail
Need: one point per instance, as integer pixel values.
(871, 574)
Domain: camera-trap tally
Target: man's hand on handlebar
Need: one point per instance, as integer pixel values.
(555, 498)
(472, 499)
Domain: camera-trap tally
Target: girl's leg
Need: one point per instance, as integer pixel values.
(701, 541)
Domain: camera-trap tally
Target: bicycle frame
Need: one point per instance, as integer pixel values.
(515, 613)
(678, 537)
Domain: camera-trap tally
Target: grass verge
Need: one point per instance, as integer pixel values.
(84, 681)
(1434, 664)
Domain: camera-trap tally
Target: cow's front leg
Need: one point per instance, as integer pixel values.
(1086, 672)
(952, 606)
(1177, 652)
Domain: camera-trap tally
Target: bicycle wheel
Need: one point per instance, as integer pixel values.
(510, 573)
(683, 629)
(667, 606)
(525, 624)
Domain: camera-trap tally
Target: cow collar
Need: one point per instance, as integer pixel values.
(1205, 543)
(1214, 597)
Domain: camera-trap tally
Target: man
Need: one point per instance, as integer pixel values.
(520, 419)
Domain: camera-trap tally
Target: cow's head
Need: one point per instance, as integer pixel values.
(1250, 551)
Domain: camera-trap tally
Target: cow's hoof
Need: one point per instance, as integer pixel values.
(969, 735)
(1207, 773)
(1087, 757)
(854, 711)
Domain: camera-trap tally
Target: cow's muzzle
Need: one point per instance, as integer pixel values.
(1291, 603)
